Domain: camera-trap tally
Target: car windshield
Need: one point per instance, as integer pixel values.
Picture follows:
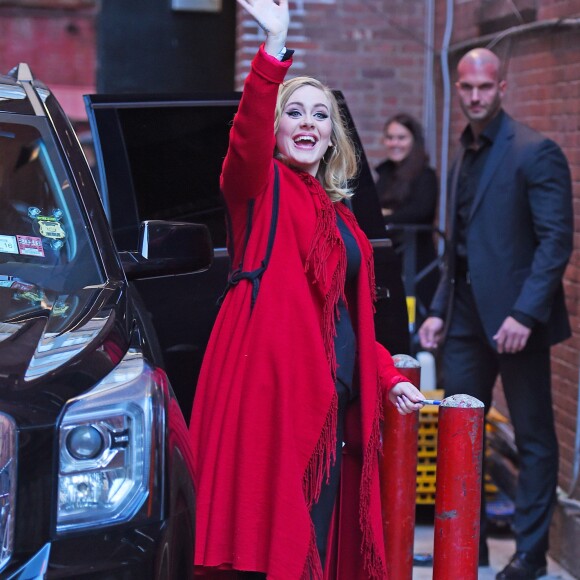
(44, 235)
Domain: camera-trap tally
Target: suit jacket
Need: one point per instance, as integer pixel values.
(519, 237)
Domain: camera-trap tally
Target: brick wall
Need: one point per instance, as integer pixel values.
(57, 39)
(372, 51)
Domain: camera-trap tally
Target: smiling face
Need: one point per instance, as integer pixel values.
(305, 128)
(398, 141)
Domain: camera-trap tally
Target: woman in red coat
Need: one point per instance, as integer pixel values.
(290, 393)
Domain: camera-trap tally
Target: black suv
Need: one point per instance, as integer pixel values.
(106, 305)
(95, 476)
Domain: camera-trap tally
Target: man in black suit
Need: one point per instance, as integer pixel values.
(500, 302)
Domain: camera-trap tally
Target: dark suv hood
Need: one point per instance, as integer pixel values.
(52, 347)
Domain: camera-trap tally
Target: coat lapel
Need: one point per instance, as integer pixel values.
(454, 179)
(496, 155)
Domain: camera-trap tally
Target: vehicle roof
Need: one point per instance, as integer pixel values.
(16, 95)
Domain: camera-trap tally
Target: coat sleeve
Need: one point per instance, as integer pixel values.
(440, 302)
(549, 193)
(388, 374)
(248, 162)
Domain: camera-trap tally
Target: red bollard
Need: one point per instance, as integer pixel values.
(399, 479)
(458, 497)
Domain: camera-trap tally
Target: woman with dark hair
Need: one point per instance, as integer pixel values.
(407, 190)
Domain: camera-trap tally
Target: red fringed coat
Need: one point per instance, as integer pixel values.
(263, 426)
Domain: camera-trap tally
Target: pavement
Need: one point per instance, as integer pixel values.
(501, 549)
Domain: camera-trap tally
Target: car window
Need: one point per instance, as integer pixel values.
(44, 238)
(166, 159)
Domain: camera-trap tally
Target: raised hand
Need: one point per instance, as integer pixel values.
(271, 15)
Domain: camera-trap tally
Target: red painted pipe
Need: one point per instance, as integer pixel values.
(458, 496)
(399, 479)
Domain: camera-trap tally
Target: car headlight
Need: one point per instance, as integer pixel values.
(108, 440)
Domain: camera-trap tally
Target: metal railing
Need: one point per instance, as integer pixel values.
(406, 246)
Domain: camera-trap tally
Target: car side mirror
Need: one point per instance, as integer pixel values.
(169, 248)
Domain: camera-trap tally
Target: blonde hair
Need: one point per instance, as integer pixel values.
(340, 163)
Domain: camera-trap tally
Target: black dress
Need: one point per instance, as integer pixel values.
(345, 348)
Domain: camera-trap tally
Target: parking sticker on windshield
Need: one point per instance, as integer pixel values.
(8, 245)
(30, 246)
(49, 226)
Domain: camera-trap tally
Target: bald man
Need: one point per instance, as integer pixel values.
(500, 303)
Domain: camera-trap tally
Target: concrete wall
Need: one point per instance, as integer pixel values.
(146, 46)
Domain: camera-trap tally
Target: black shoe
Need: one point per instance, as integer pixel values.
(483, 555)
(523, 567)
(422, 560)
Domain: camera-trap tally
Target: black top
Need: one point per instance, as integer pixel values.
(474, 158)
(345, 339)
(418, 206)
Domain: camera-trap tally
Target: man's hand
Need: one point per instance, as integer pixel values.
(406, 397)
(512, 336)
(431, 332)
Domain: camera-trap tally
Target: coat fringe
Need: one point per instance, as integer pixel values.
(323, 456)
(325, 242)
(313, 565)
(373, 562)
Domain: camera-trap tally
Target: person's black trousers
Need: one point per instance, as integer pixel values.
(321, 511)
(471, 366)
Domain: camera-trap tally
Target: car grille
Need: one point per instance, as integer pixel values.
(7, 486)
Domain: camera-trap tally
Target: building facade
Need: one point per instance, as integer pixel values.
(385, 56)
